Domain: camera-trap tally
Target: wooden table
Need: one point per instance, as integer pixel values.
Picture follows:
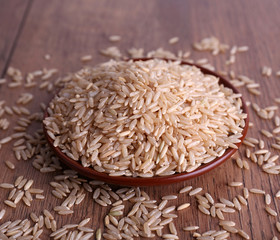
(67, 30)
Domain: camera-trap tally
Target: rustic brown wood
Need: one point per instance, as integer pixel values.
(70, 29)
(12, 16)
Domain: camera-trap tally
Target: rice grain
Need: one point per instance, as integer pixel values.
(173, 40)
(86, 58)
(243, 234)
(235, 184)
(114, 38)
(2, 213)
(10, 203)
(9, 164)
(195, 191)
(183, 206)
(256, 191)
(271, 211)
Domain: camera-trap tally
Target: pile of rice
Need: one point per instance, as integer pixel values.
(144, 118)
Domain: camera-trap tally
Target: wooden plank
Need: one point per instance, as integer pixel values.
(11, 16)
(67, 30)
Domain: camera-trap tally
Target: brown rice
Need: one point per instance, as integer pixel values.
(102, 110)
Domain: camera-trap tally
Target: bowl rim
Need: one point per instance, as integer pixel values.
(89, 172)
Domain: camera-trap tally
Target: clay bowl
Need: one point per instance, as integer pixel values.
(158, 180)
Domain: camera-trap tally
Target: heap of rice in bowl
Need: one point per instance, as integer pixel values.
(144, 118)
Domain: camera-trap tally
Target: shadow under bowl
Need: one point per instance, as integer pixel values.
(89, 172)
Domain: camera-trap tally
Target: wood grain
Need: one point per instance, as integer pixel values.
(70, 29)
(12, 16)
